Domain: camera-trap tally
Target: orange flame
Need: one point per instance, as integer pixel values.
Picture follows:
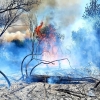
(38, 31)
(51, 53)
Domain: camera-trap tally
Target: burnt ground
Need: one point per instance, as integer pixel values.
(45, 91)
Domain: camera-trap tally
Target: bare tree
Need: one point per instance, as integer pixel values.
(10, 12)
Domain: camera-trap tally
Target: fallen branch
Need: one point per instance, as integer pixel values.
(47, 62)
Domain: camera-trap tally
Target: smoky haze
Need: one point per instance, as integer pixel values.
(60, 13)
(66, 16)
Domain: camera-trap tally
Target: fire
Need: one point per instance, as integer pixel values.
(50, 46)
(38, 31)
(48, 40)
(41, 35)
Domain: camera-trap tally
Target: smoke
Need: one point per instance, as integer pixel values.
(66, 16)
(17, 31)
(83, 45)
(18, 35)
(62, 14)
(86, 47)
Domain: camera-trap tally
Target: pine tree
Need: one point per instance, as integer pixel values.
(93, 10)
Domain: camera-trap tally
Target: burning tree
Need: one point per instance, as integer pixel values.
(44, 41)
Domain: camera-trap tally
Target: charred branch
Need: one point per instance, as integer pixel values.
(18, 4)
(10, 13)
(80, 95)
(9, 84)
(97, 84)
(48, 62)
